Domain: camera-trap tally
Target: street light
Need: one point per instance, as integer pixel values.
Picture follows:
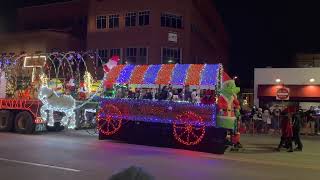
(278, 80)
(312, 80)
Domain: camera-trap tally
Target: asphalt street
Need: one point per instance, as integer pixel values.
(77, 155)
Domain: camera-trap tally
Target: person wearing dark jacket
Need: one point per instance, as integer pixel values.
(287, 134)
(164, 93)
(297, 124)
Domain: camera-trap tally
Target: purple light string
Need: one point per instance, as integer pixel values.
(125, 74)
(209, 75)
(179, 74)
(134, 103)
(151, 74)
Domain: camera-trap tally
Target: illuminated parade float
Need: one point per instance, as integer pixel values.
(188, 106)
(197, 122)
(47, 91)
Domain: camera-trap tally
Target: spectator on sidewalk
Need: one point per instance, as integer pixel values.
(276, 118)
(297, 124)
(258, 120)
(266, 118)
(311, 120)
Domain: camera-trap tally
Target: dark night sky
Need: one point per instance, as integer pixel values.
(262, 33)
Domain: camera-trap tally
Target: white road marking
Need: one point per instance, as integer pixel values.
(40, 165)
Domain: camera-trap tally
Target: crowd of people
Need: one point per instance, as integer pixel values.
(168, 93)
(266, 120)
(289, 122)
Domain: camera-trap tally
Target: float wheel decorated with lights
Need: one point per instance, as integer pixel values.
(188, 128)
(109, 119)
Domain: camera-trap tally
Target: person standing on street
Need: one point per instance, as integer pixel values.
(297, 124)
(287, 134)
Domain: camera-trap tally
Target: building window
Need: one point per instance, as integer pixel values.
(131, 19)
(115, 52)
(131, 55)
(144, 18)
(136, 55)
(113, 21)
(170, 20)
(194, 28)
(103, 54)
(143, 52)
(143, 56)
(171, 55)
(101, 22)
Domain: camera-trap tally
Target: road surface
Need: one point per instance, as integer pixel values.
(76, 155)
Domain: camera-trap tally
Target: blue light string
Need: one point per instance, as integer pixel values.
(209, 75)
(179, 74)
(167, 105)
(125, 74)
(151, 74)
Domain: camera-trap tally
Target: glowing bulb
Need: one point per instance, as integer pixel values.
(278, 80)
(312, 80)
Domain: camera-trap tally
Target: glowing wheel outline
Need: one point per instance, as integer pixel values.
(187, 133)
(109, 120)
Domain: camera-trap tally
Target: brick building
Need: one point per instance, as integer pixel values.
(152, 32)
(140, 31)
(48, 28)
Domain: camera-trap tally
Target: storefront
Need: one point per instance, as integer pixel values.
(287, 87)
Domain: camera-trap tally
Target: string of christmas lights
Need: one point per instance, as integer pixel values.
(138, 74)
(160, 111)
(209, 74)
(194, 74)
(179, 74)
(165, 73)
(113, 74)
(109, 119)
(176, 74)
(151, 74)
(185, 132)
(125, 74)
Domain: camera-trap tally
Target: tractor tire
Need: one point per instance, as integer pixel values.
(23, 123)
(6, 121)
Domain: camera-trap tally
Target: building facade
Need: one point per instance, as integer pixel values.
(305, 60)
(140, 31)
(154, 32)
(303, 85)
(48, 28)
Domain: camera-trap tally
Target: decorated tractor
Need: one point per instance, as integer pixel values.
(174, 121)
(42, 91)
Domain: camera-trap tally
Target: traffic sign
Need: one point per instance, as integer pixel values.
(283, 94)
